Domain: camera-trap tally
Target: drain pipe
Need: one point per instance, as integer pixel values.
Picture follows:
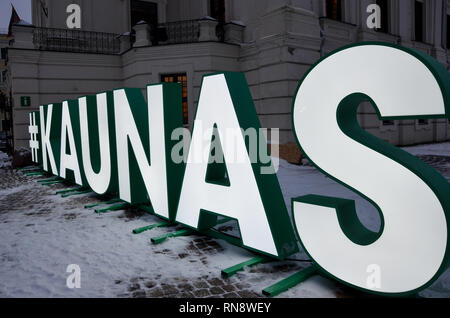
(323, 38)
(443, 30)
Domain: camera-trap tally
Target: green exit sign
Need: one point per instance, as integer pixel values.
(25, 101)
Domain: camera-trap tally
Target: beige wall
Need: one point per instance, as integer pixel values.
(49, 77)
(281, 41)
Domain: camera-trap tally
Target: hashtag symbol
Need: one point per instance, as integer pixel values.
(34, 144)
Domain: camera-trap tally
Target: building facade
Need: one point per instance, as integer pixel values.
(6, 143)
(130, 43)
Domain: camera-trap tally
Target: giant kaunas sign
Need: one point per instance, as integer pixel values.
(120, 142)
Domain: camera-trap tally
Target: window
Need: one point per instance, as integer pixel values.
(179, 78)
(144, 11)
(388, 123)
(2, 76)
(384, 7)
(419, 18)
(2, 101)
(334, 9)
(448, 31)
(3, 53)
(217, 10)
(422, 121)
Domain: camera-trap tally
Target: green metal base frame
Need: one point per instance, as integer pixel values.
(230, 271)
(152, 226)
(48, 179)
(162, 238)
(52, 182)
(290, 281)
(29, 168)
(75, 193)
(89, 206)
(32, 174)
(70, 190)
(114, 207)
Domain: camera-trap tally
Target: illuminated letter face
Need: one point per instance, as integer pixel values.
(97, 145)
(50, 133)
(413, 200)
(35, 138)
(146, 172)
(69, 157)
(253, 199)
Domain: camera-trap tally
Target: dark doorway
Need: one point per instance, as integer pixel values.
(419, 15)
(144, 11)
(217, 10)
(384, 7)
(448, 33)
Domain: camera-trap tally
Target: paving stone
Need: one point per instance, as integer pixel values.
(216, 290)
(216, 282)
(230, 295)
(169, 289)
(156, 292)
(150, 284)
(134, 287)
(139, 294)
(187, 295)
(201, 292)
(201, 284)
(248, 294)
(228, 288)
(185, 287)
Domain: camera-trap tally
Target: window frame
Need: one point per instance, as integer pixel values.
(184, 91)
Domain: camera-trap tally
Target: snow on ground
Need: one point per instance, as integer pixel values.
(440, 149)
(42, 233)
(5, 160)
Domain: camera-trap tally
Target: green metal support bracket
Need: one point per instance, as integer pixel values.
(89, 206)
(75, 193)
(230, 271)
(48, 179)
(162, 238)
(52, 182)
(29, 168)
(70, 190)
(290, 281)
(114, 207)
(32, 174)
(152, 226)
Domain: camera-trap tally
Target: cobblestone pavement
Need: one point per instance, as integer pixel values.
(237, 286)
